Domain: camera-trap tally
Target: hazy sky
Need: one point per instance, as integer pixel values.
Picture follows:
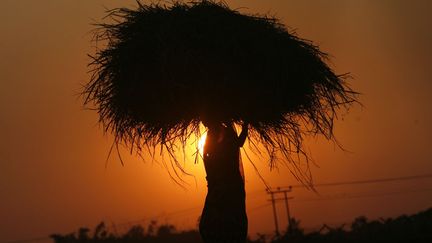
(52, 152)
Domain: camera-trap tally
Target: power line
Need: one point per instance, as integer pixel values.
(259, 207)
(370, 181)
(347, 196)
(381, 180)
(357, 182)
(287, 189)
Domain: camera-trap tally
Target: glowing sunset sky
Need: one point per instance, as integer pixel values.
(52, 152)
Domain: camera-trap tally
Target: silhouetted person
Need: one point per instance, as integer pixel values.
(224, 215)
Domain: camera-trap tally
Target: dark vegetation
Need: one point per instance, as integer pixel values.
(152, 233)
(414, 228)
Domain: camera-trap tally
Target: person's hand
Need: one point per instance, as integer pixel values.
(245, 125)
(243, 134)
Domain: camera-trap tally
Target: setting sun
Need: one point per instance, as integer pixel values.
(61, 171)
(201, 143)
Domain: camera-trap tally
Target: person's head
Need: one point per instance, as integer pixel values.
(212, 124)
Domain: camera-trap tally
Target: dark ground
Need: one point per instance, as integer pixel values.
(413, 228)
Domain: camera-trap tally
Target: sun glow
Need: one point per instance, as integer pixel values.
(201, 142)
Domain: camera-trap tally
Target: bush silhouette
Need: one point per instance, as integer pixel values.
(414, 228)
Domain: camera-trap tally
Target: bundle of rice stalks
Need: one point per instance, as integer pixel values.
(165, 68)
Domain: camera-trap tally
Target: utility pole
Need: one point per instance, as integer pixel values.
(274, 211)
(285, 198)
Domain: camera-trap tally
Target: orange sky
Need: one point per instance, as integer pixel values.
(52, 153)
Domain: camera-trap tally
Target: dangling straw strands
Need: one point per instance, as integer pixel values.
(165, 68)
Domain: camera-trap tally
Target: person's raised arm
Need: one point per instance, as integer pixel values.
(243, 135)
